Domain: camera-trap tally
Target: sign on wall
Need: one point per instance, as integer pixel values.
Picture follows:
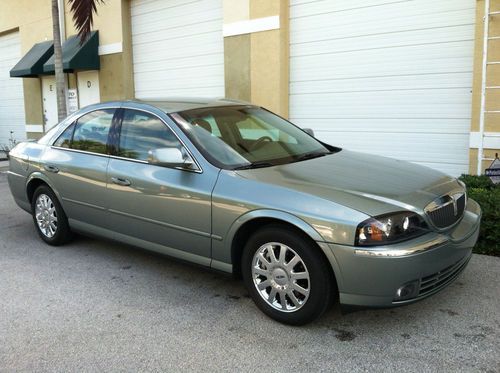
(493, 172)
(72, 100)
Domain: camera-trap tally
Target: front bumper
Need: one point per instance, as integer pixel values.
(370, 277)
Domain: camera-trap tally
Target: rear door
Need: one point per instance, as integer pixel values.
(163, 206)
(76, 165)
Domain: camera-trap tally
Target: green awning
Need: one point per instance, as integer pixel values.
(31, 65)
(76, 56)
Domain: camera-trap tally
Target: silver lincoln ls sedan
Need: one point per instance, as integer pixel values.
(234, 187)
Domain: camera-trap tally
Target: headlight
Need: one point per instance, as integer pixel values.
(390, 228)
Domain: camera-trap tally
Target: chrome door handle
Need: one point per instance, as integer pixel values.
(120, 181)
(50, 168)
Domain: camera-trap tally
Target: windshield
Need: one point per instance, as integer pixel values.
(246, 137)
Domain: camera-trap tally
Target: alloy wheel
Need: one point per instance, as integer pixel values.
(280, 277)
(46, 216)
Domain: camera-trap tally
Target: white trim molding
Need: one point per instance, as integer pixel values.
(35, 128)
(251, 25)
(491, 140)
(110, 48)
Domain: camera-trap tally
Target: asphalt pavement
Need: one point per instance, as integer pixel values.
(94, 305)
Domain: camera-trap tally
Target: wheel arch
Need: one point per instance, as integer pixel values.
(34, 181)
(249, 223)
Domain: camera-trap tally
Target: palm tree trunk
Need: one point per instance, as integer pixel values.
(58, 66)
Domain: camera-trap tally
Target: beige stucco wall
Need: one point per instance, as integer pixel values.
(492, 121)
(256, 64)
(108, 21)
(236, 10)
(113, 22)
(237, 54)
(33, 19)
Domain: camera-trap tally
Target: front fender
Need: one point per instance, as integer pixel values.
(222, 248)
(270, 214)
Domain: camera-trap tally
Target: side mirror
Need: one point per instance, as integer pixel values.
(309, 131)
(170, 157)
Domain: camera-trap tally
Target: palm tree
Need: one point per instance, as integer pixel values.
(83, 16)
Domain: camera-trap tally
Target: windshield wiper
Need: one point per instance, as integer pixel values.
(306, 156)
(259, 164)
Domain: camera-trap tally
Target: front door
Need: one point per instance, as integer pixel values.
(49, 101)
(88, 88)
(167, 207)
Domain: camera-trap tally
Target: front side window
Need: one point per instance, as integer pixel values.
(247, 136)
(91, 131)
(142, 132)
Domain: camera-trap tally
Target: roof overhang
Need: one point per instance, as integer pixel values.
(31, 65)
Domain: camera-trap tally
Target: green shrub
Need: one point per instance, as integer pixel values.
(487, 194)
(473, 181)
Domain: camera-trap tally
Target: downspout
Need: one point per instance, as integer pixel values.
(62, 20)
(480, 150)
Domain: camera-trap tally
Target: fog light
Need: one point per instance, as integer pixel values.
(407, 291)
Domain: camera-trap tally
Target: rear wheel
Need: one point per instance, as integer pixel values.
(49, 217)
(286, 275)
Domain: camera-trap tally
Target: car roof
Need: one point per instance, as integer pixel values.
(175, 104)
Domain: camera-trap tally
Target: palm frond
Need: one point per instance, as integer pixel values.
(83, 16)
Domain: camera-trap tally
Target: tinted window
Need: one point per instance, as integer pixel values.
(248, 135)
(142, 132)
(91, 131)
(64, 140)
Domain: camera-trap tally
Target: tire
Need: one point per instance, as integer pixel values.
(303, 273)
(50, 220)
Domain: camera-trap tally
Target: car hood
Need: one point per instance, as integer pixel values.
(370, 184)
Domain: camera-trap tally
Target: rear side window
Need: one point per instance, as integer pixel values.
(91, 131)
(64, 141)
(88, 133)
(142, 132)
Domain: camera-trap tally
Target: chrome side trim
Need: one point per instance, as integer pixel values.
(79, 151)
(83, 204)
(177, 227)
(387, 251)
(128, 159)
(198, 171)
(216, 237)
(13, 174)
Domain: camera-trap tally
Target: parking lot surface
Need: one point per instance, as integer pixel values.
(94, 305)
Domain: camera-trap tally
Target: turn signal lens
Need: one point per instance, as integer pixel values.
(390, 228)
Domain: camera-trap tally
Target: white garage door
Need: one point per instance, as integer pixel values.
(386, 77)
(178, 48)
(11, 91)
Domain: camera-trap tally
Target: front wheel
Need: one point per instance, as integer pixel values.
(49, 217)
(286, 275)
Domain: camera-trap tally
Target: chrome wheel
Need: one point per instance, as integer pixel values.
(46, 216)
(280, 277)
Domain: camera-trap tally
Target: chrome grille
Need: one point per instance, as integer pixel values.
(446, 210)
(438, 280)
